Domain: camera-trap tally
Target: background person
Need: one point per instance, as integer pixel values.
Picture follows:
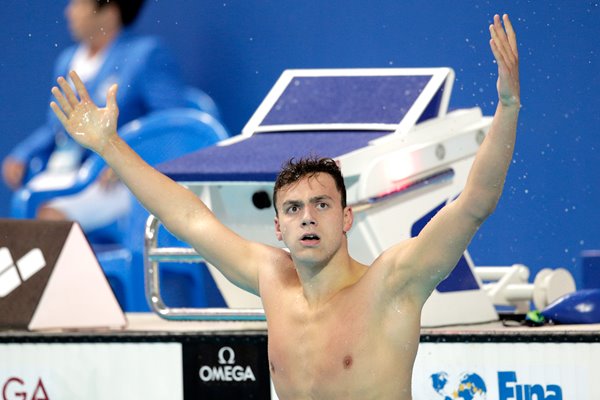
(106, 53)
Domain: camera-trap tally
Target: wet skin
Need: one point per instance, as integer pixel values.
(337, 334)
(337, 329)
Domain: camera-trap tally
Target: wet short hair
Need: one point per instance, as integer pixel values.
(294, 170)
(129, 9)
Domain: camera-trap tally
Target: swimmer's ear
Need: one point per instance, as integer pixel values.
(348, 219)
(278, 233)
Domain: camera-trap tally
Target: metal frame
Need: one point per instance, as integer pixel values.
(154, 255)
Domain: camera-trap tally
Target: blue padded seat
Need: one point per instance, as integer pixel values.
(157, 137)
(259, 158)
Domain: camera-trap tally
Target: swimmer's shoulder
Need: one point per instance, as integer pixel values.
(277, 264)
(395, 255)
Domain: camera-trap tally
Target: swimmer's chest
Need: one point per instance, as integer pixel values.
(331, 342)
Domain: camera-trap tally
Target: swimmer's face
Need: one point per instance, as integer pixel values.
(311, 220)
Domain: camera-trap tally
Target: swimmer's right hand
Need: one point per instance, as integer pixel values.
(89, 125)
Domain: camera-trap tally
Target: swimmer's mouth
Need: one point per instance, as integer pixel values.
(310, 237)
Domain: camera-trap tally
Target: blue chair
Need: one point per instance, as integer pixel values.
(158, 137)
(198, 99)
(194, 97)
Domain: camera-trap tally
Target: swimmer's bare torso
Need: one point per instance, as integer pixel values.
(360, 344)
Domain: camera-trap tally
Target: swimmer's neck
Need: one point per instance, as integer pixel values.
(321, 283)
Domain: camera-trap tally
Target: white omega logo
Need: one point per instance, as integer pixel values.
(13, 274)
(227, 371)
(222, 359)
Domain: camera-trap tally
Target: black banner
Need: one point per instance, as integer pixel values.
(226, 367)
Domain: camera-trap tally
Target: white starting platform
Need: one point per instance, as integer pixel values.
(403, 157)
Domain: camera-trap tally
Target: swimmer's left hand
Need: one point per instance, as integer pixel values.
(504, 47)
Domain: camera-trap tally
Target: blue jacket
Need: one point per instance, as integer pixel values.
(148, 80)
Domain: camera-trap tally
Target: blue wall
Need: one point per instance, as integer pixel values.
(236, 49)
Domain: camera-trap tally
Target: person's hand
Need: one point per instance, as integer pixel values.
(13, 172)
(504, 47)
(89, 125)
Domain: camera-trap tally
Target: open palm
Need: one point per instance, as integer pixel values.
(504, 47)
(88, 124)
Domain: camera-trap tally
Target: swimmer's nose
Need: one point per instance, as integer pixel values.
(307, 218)
(308, 221)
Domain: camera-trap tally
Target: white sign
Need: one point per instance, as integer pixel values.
(149, 371)
(507, 371)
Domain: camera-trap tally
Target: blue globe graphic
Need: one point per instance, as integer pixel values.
(470, 387)
(439, 381)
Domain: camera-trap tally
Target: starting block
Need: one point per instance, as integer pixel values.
(403, 157)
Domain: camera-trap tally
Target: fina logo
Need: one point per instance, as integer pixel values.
(471, 386)
(227, 371)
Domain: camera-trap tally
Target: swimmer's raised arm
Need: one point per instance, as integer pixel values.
(181, 211)
(429, 258)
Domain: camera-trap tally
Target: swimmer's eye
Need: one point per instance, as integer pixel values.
(292, 209)
(322, 206)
